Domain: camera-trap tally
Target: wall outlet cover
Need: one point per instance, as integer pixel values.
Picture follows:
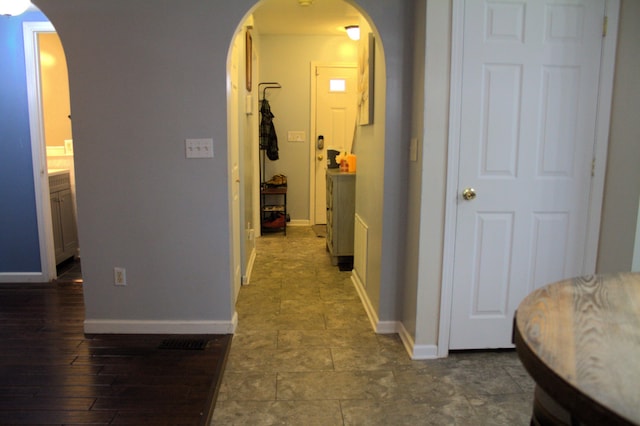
(119, 276)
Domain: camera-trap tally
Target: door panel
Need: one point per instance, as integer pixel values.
(335, 111)
(530, 75)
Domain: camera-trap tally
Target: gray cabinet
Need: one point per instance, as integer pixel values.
(65, 234)
(341, 210)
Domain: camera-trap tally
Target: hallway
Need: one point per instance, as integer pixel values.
(304, 354)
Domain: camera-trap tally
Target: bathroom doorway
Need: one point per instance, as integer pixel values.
(50, 122)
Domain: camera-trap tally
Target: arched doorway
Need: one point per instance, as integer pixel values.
(291, 105)
(48, 99)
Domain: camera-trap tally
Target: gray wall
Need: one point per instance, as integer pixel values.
(412, 261)
(146, 75)
(427, 178)
(19, 245)
(370, 174)
(622, 185)
(287, 59)
(381, 184)
(399, 64)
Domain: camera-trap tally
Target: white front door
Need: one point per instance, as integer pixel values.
(335, 113)
(529, 91)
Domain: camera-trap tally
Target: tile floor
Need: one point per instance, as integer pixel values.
(304, 354)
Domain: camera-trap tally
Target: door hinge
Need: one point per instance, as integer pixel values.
(593, 167)
(605, 25)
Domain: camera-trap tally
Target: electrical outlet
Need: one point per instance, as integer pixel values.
(119, 276)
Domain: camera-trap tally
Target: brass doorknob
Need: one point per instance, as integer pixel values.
(320, 157)
(469, 194)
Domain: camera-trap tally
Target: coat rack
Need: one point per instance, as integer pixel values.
(267, 85)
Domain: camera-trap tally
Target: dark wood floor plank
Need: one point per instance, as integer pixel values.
(79, 391)
(46, 403)
(52, 373)
(157, 419)
(41, 417)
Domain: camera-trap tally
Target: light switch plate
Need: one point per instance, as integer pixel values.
(248, 108)
(199, 148)
(295, 136)
(413, 149)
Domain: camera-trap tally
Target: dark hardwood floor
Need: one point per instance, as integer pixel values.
(53, 374)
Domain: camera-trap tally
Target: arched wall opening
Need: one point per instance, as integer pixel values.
(379, 147)
(145, 77)
(52, 147)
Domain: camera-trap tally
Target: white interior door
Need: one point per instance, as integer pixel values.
(234, 158)
(335, 113)
(530, 75)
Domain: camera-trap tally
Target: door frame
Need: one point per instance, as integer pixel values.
(313, 131)
(235, 171)
(31, 29)
(607, 64)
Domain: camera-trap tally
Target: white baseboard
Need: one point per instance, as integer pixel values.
(299, 222)
(364, 298)
(389, 327)
(160, 327)
(425, 352)
(416, 352)
(246, 279)
(22, 277)
(380, 327)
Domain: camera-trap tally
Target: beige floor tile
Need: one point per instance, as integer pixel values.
(259, 413)
(503, 410)
(304, 353)
(248, 387)
(254, 340)
(336, 385)
(327, 338)
(454, 410)
(365, 359)
(279, 360)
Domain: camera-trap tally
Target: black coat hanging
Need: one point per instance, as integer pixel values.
(268, 137)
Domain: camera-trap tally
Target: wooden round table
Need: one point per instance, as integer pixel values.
(580, 341)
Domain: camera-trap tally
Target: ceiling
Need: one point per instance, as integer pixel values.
(322, 17)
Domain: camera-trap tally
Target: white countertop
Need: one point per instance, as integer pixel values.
(54, 172)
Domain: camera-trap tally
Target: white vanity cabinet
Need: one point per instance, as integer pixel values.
(65, 235)
(341, 210)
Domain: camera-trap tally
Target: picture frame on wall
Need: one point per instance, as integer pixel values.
(248, 59)
(366, 79)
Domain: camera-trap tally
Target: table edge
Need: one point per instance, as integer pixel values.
(580, 405)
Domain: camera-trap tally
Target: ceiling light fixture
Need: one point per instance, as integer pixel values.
(353, 31)
(305, 2)
(13, 7)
